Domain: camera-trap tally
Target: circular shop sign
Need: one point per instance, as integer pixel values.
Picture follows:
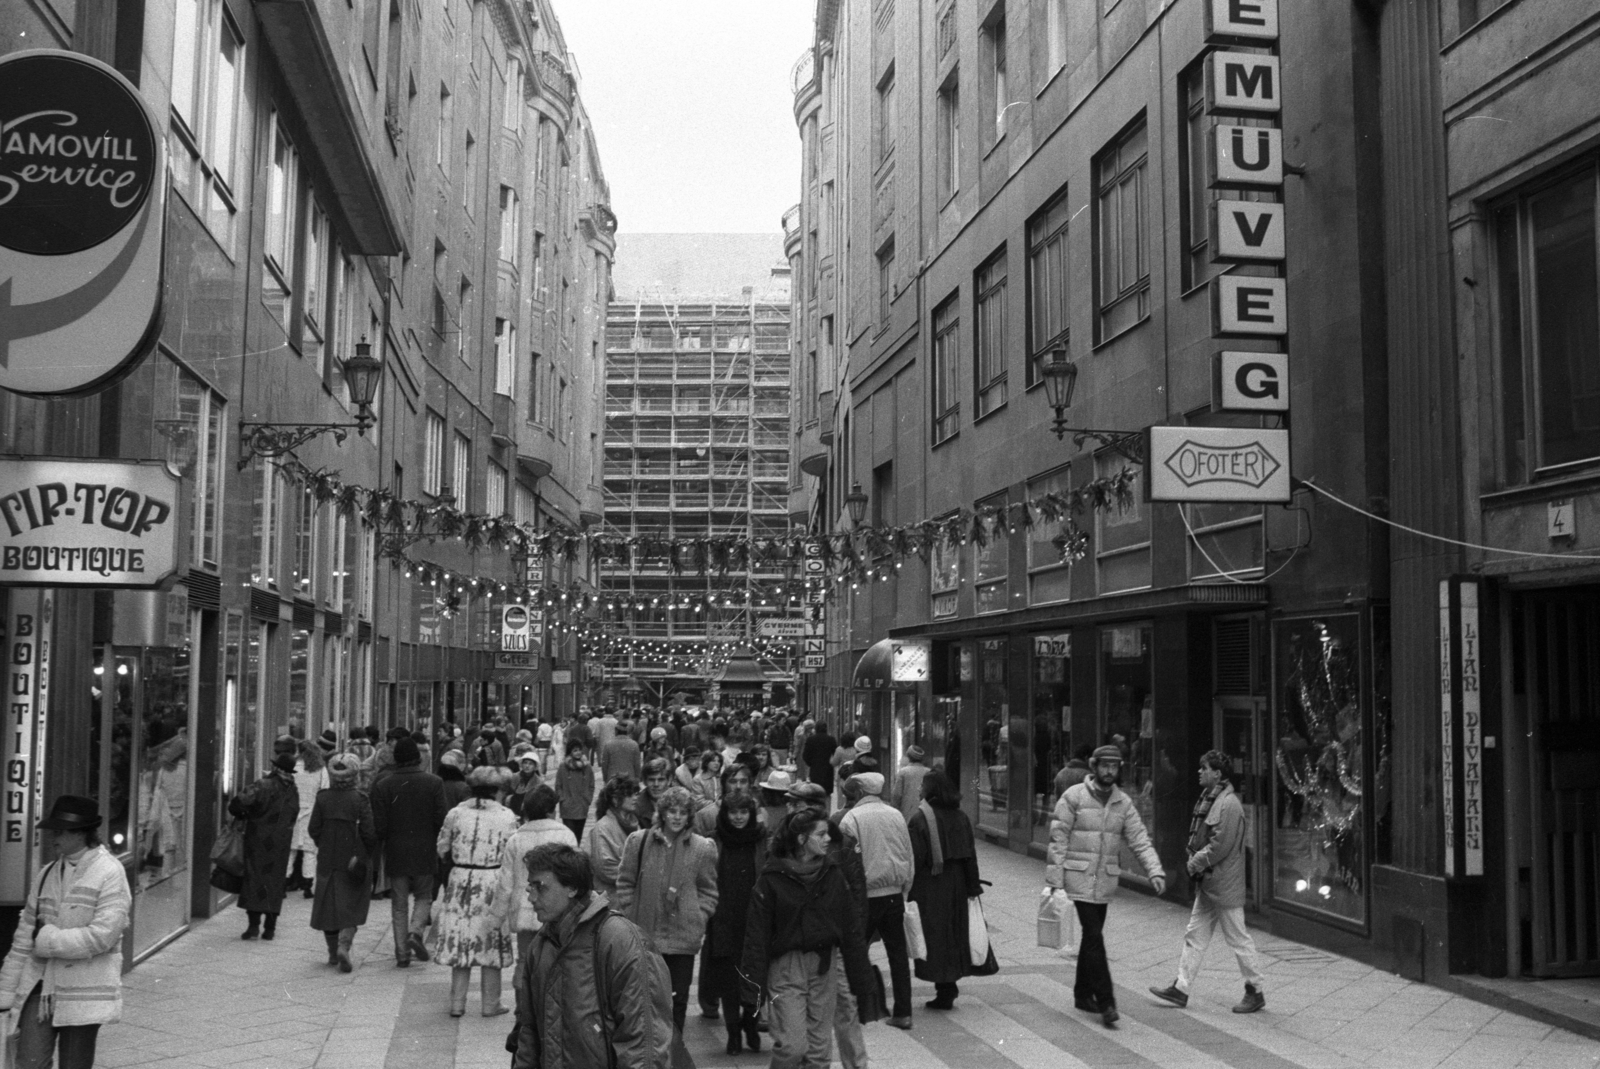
(77, 154)
(516, 618)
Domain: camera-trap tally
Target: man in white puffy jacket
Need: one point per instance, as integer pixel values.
(1093, 821)
(75, 915)
(885, 844)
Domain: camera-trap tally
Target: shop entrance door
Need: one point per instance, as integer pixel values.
(1560, 651)
(1241, 732)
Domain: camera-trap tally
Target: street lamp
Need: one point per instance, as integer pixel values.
(183, 440)
(1060, 377)
(856, 502)
(361, 373)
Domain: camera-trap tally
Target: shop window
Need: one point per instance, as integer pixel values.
(1122, 543)
(1548, 297)
(1127, 717)
(1049, 576)
(300, 681)
(994, 740)
(1050, 698)
(1318, 851)
(991, 561)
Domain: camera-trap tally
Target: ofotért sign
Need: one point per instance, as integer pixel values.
(81, 222)
(103, 523)
(1218, 464)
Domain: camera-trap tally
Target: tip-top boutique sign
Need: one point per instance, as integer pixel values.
(86, 523)
(81, 221)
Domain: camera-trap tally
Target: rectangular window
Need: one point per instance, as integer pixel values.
(433, 454)
(885, 283)
(1122, 536)
(949, 138)
(1049, 576)
(314, 298)
(1195, 197)
(989, 336)
(283, 203)
(265, 517)
(510, 225)
(944, 563)
(534, 392)
(495, 491)
(1048, 326)
(884, 116)
(1055, 32)
(538, 267)
(946, 368)
(220, 140)
(505, 355)
(512, 117)
(187, 18)
(305, 540)
(203, 410)
(991, 561)
(461, 471)
(469, 182)
(1122, 261)
(441, 151)
(346, 300)
(207, 57)
(466, 310)
(561, 408)
(1549, 325)
(994, 40)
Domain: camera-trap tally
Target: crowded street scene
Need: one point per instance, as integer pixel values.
(571, 534)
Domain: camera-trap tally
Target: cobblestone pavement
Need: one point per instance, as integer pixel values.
(212, 1000)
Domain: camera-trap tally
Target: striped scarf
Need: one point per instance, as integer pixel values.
(1197, 822)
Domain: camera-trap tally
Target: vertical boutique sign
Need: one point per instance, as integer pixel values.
(1461, 752)
(81, 222)
(21, 798)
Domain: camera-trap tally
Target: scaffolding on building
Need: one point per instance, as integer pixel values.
(697, 444)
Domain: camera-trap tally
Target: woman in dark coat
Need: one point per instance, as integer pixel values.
(269, 807)
(946, 876)
(742, 844)
(342, 827)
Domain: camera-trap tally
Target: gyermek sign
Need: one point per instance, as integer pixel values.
(81, 218)
(86, 523)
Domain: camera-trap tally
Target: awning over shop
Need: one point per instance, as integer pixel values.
(873, 670)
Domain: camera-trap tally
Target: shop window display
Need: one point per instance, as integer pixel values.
(1318, 849)
(1051, 697)
(994, 739)
(1127, 716)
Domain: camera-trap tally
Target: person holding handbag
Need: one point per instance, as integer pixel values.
(342, 828)
(946, 876)
(802, 913)
(63, 976)
(667, 885)
(741, 854)
(269, 808)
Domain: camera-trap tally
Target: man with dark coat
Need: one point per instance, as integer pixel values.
(1216, 866)
(620, 755)
(269, 807)
(818, 756)
(408, 809)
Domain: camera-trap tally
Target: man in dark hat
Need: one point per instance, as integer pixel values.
(408, 809)
(269, 807)
(66, 975)
(1093, 821)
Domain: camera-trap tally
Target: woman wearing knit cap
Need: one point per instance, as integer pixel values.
(472, 927)
(268, 807)
(341, 826)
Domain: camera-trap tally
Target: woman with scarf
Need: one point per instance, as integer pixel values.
(667, 885)
(472, 928)
(341, 826)
(802, 912)
(575, 788)
(946, 875)
(269, 808)
(741, 854)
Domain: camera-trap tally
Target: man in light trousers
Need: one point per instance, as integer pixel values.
(1216, 864)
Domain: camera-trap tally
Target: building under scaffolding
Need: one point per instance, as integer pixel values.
(697, 445)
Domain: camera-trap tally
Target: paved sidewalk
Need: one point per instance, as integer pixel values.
(211, 1000)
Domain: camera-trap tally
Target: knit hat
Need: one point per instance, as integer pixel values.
(870, 782)
(915, 753)
(454, 758)
(328, 741)
(863, 745)
(284, 762)
(342, 770)
(406, 752)
(1105, 753)
(397, 733)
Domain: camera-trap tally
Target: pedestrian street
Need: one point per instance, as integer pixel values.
(211, 1000)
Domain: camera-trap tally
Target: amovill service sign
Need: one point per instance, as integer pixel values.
(99, 523)
(81, 217)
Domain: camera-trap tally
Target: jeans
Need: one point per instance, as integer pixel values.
(1093, 984)
(803, 1005)
(681, 968)
(405, 916)
(1204, 920)
(846, 1027)
(886, 917)
(38, 1041)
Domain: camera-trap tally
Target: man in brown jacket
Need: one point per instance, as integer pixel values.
(1216, 864)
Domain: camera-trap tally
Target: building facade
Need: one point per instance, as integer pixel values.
(417, 180)
(697, 446)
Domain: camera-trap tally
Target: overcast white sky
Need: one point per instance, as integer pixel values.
(692, 108)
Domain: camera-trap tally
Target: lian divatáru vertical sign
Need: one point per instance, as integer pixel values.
(81, 220)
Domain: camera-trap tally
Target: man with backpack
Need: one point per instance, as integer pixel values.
(587, 958)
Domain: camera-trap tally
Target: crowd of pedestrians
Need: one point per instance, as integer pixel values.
(744, 865)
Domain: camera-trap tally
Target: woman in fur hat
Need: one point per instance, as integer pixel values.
(342, 828)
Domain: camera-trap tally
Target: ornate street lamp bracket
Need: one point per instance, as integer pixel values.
(278, 439)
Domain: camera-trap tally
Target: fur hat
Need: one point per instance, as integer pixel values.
(343, 770)
(488, 776)
(914, 753)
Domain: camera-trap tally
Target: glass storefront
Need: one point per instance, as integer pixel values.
(1050, 697)
(994, 735)
(1318, 848)
(1127, 716)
